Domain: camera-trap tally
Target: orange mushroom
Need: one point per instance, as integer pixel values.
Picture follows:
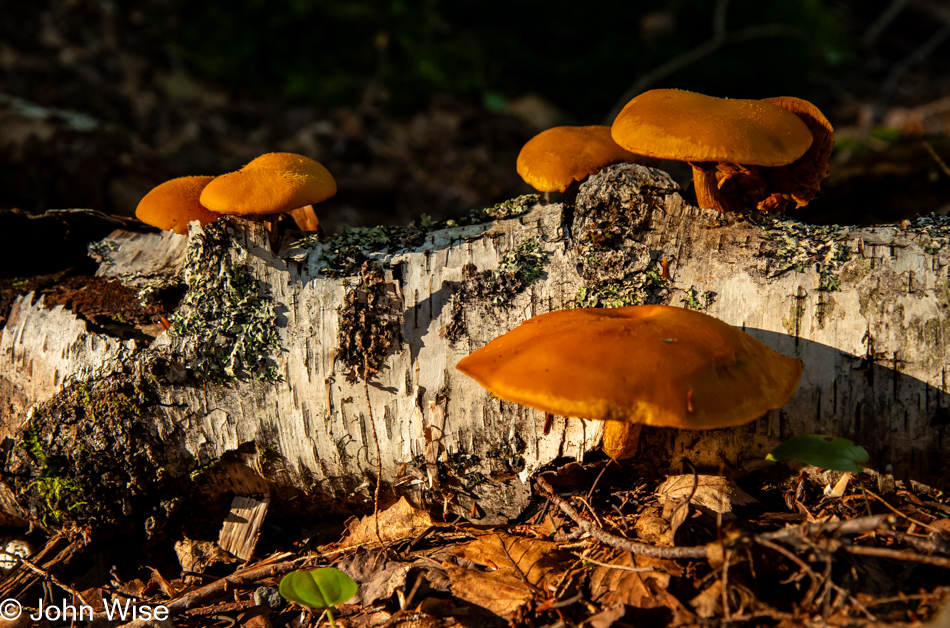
(707, 132)
(772, 188)
(554, 159)
(173, 205)
(645, 364)
(271, 184)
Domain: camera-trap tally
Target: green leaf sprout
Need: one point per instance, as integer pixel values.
(827, 452)
(321, 588)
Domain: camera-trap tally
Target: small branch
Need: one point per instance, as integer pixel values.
(936, 157)
(47, 575)
(883, 20)
(616, 541)
(901, 67)
(238, 580)
(848, 527)
(883, 552)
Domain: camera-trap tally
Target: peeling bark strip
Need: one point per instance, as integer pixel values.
(866, 310)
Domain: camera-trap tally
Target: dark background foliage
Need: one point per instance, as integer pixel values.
(421, 106)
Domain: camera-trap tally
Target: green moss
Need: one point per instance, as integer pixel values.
(86, 453)
(824, 310)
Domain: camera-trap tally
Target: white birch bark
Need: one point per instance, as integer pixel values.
(874, 351)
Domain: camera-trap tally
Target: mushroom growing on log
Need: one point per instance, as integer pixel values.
(173, 205)
(554, 159)
(708, 132)
(644, 364)
(273, 183)
(860, 307)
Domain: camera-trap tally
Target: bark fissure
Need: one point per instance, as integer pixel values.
(859, 307)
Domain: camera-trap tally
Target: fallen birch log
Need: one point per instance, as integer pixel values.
(353, 342)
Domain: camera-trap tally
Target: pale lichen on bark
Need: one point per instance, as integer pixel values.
(865, 309)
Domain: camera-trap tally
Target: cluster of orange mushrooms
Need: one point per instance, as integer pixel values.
(631, 366)
(272, 184)
(744, 153)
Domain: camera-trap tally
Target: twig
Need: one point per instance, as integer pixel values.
(719, 38)
(609, 566)
(896, 511)
(886, 17)
(842, 528)
(615, 541)
(936, 157)
(47, 575)
(901, 67)
(237, 580)
(597, 479)
(883, 552)
(802, 565)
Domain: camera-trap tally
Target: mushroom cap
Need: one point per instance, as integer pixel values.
(271, 184)
(801, 179)
(651, 364)
(174, 204)
(684, 126)
(554, 159)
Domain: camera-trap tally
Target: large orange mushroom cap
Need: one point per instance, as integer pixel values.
(174, 204)
(554, 159)
(685, 126)
(650, 364)
(271, 184)
(705, 131)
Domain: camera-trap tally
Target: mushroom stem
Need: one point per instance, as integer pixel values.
(305, 218)
(621, 439)
(708, 195)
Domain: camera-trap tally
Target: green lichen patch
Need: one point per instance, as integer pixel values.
(696, 300)
(87, 455)
(370, 323)
(610, 295)
(933, 232)
(343, 254)
(795, 246)
(229, 324)
(500, 211)
(519, 268)
(602, 288)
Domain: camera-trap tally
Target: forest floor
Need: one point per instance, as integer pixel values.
(768, 547)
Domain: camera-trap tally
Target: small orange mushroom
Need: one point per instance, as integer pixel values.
(554, 159)
(271, 184)
(173, 205)
(707, 132)
(638, 365)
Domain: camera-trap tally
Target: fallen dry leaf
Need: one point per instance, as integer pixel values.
(399, 521)
(713, 492)
(377, 576)
(708, 603)
(199, 555)
(517, 571)
(643, 589)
